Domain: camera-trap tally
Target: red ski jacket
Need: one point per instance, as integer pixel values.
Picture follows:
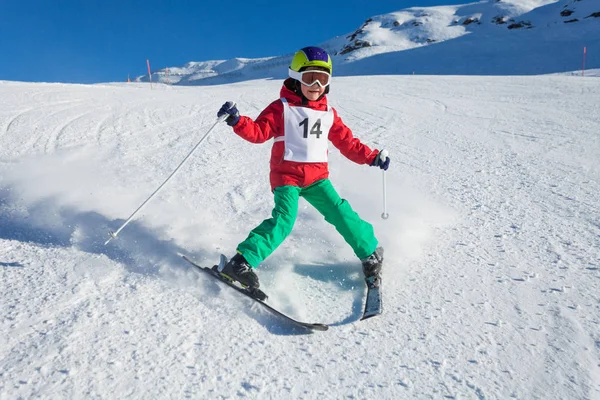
(269, 124)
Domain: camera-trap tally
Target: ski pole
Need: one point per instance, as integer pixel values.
(113, 235)
(384, 214)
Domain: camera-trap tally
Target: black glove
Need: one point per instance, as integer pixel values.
(230, 109)
(381, 160)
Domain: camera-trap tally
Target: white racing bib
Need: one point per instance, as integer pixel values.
(306, 133)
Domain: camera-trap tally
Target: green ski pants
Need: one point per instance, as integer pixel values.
(266, 237)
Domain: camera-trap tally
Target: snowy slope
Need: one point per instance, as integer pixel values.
(492, 275)
(489, 37)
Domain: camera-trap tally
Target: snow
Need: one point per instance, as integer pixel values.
(491, 278)
(492, 247)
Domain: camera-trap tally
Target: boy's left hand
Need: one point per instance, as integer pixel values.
(382, 160)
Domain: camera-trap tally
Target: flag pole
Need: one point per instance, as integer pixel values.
(149, 74)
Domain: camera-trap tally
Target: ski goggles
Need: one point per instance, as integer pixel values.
(311, 77)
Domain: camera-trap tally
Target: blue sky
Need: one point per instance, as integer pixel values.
(88, 41)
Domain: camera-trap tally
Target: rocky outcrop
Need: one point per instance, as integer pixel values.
(359, 30)
(358, 44)
(520, 24)
(499, 20)
(470, 21)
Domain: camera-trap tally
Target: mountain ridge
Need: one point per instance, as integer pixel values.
(494, 37)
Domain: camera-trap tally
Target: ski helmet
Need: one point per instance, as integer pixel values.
(311, 57)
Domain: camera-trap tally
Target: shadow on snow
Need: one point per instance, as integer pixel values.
(347, 276)
(47, 224)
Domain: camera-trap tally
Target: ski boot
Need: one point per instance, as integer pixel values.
(238, 269)
(372, 267)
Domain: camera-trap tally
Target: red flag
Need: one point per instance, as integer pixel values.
(149, 74)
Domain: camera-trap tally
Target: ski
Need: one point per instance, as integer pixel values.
(373, 304)
(256, 295)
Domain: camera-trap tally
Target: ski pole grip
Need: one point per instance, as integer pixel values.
(383, 155)
(225, 116)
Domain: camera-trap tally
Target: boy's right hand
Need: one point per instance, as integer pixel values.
(229, 109)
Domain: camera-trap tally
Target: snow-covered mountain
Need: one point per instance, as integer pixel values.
(491, 37)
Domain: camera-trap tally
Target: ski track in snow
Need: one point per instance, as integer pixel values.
(492, 247)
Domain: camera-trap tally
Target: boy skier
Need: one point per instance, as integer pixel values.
(301, 124)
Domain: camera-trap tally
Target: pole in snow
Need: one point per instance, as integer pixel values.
(149, 74)
(113, 235)
(583, 68)
(384, 214)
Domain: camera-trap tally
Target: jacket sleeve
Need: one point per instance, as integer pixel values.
(267, 124)
(352, 148)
